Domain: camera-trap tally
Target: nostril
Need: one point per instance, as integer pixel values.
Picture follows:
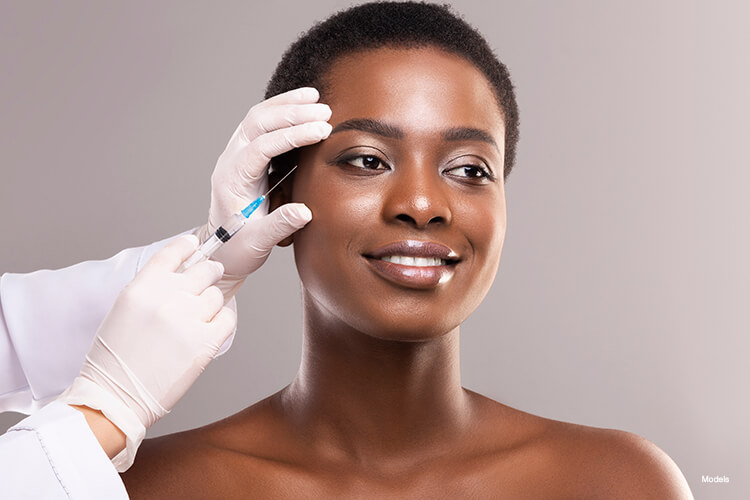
(411, 220)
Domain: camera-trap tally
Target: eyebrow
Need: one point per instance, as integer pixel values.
(392, 132)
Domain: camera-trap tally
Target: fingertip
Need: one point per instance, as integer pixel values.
(310, 93)
(216, 296)
(183, 241)
(230, 312)
(173, 253)
(303, 212)
(328, 111)
(191, 239)
(185, 245)
(326, 129)
(296, 214)
(225, 321)
(220, 267)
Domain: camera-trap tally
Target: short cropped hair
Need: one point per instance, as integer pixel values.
(393, 25)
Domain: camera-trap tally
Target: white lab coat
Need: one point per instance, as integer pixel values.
(53, 454)
(48, 320)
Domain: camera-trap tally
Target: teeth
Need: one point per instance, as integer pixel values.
(414, 261)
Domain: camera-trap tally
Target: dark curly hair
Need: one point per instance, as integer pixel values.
(395, 25)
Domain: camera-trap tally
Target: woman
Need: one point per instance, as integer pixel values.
(409, 218)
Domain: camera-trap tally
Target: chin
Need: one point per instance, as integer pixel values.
(406, 335)
(369, 305)
(407, 325)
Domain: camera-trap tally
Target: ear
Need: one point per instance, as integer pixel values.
(279, 196)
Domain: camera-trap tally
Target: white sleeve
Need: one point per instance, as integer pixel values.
(48, 320)
(53, 454)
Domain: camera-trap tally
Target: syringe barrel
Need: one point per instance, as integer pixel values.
(234, 224)
(217, 239)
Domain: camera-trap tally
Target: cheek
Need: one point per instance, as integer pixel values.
(482, 220)
(329, 241)
(338, 204)
(484, 224)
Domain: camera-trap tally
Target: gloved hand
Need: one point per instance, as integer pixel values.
(272, 127)
(162, 331)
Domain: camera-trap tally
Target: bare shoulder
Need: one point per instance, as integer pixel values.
(167, 465)
(201, 462)
(593, 462)
(625, 465)
(562, 459)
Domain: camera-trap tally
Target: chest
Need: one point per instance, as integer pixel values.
(478, 479)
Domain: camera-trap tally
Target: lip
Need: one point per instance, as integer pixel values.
(415, 277)
(414, 248)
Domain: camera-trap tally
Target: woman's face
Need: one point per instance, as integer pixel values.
(407, 195)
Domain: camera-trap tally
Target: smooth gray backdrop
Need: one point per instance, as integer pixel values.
(622, 295)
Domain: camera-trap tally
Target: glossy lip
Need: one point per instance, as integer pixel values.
(415, 277)
(415, 248)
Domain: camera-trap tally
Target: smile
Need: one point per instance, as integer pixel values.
(414, 264)
(406, 260)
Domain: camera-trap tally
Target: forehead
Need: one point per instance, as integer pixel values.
(419, 89)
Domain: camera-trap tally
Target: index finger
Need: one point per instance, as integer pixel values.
(294, 96)
(172, 255)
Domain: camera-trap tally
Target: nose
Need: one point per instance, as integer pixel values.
(417, 196)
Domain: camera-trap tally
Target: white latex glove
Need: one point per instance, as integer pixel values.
(272, 127)
(162, 331)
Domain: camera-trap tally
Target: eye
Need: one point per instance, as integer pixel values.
(365, 162)
(471, 172)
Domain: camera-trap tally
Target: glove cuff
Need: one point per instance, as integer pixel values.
(84, 392)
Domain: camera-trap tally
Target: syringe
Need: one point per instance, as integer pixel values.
(225, 232)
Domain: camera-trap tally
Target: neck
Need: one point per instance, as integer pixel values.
(365, 398)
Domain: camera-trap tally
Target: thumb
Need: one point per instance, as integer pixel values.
(280, 224)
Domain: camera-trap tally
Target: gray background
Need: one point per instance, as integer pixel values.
(621, 299)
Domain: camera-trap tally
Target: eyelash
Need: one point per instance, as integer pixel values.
(485, 172)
